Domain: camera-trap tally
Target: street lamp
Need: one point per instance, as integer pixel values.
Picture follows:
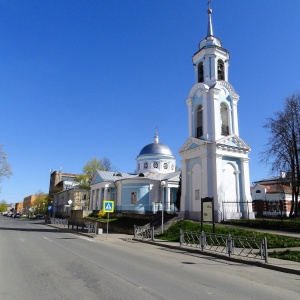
(70, 203)
(163, 184)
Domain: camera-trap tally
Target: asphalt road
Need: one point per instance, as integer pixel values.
(40, 262)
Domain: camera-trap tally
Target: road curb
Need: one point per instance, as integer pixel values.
(223, 257)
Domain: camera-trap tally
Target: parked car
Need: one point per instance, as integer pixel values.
(17, 215)
(39, 216)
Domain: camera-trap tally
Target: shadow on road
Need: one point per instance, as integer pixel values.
(30, 229)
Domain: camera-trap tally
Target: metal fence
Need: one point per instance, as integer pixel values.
(86, 227)
(144, 232)
(249, 247)
(57, 221)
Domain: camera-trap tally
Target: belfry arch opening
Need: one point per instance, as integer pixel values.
(200, 72)
(224, 119)
(221, 70)
(199, 121)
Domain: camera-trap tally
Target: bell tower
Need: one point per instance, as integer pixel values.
(214, 158)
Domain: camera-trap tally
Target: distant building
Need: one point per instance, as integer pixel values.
(61, 205)
(28, 202)
(272, 197)
(19, 207)
(59, 182)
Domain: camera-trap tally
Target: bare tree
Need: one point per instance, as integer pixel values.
(282, 149)
(5, 168)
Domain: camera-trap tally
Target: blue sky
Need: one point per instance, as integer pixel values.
(93, 78)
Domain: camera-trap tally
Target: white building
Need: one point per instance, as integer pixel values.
(214, 157)
(152, 188)
(272, 197)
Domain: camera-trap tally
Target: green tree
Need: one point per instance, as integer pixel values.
(3, 206)
(90, 168)
(5, 168)
(84, 180)
(282, 149)
(41, 202)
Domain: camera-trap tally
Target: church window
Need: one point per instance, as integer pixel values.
(133, 198)
(224, 119)
(165, 166)
(145, 165)
(199, 128)
(200, 72)
(155, 164)
(221, 72)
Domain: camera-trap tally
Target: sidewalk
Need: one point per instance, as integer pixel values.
(272, 264)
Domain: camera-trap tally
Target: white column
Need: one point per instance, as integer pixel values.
(246, 179)
(106, 192)
(205, 117)
(98, 195)
(91, 204)
(190, 114)
(246, 188)
(183, 188)
(235, 116)
(168, 206)
(237, 184)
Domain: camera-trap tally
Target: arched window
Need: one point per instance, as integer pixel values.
(199, 122)
(200, 72)
(221, 72)
(224, 119)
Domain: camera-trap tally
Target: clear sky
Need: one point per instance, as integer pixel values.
(93, 78)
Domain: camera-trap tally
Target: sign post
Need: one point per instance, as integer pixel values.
(207, 211)
(108, 206)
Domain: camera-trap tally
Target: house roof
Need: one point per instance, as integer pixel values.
(101, 176)
(276, 188)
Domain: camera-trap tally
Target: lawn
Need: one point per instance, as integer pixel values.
(173, 233)
(274, 241)
(287, 255)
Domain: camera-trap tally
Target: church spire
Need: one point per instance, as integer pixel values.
(209, 27)
(156, 137)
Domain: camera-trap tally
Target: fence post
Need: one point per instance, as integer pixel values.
(181, 237)
(152, 233)
(229, 244)
(265, 248)
(202, 240)
(134, 231)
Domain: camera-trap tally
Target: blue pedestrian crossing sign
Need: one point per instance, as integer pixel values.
(108, 206)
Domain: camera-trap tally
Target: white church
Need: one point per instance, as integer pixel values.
(215, 160)
(152, 188)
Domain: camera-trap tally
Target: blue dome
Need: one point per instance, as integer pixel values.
(156, 148)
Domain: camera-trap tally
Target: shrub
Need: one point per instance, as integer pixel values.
(101, 214)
